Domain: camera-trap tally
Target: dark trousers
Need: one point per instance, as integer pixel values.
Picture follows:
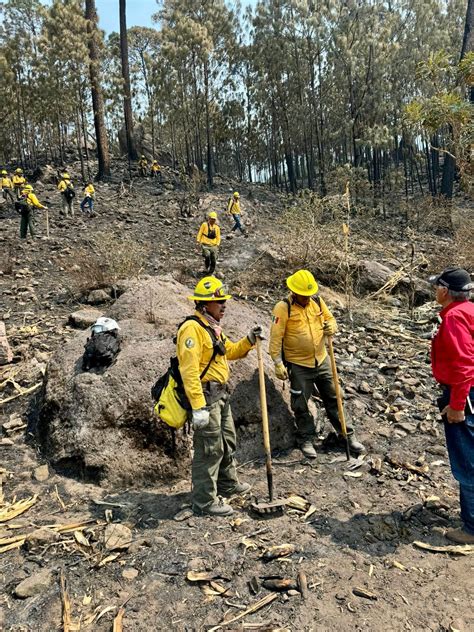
(237, 224)
(87, 201)
(26, 223)
(8, 193)
(302, 382)
(210, 257)
(460, 444)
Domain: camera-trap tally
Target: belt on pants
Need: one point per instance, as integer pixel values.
(214, 391)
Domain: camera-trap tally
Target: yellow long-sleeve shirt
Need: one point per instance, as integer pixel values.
(301, 334)
(6, 183)
(18, 181)
(155, 167)
(63, 185)
(89, 191)
(32, 200)
(194, 350)
(233, 206)
(202, 236)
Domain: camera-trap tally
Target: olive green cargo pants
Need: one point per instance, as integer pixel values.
(210, 257)
(302, 382)
(213, 469)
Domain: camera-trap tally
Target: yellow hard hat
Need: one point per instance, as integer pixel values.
(27, 188)
(18, 170)
(236, 194)
(66, 176)
(4, 173)
(303, 283)
(209, 289)
(212, 215)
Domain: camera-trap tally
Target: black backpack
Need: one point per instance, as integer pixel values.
(173, 368)
(69, 193)
(22, 207)
(101, 350)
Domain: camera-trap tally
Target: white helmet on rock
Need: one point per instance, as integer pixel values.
(104, 324)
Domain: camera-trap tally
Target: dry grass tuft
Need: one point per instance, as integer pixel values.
(105, 260)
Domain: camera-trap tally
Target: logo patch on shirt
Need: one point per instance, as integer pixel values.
(275, 319)
(189, 343)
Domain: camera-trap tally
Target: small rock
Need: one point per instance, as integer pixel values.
(406, 426)
(15, 421)
(84, 318)
(41, 536)
(117, 537)
(364, 388)
(129, 573)
(41, 473)
(34, 585)
(97, 297)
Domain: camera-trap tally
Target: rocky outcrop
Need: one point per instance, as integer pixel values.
(101, 426)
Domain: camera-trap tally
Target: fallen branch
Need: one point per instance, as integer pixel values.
(118, 620)
(15, 509)
(464, 549)
(258, 605)
(27, 391)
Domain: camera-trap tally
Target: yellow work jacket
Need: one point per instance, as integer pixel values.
(202, 236)
(194, 349)
(64, 184)
(301, 334)
(6, 183)
(89, 191)
(18, 181)
(143, 162)
(233, 206)
(155, 167)
(32, 200)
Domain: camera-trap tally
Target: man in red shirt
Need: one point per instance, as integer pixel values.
(452, 361)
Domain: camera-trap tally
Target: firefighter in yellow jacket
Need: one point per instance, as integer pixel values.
(19, 181)
(203, 352)
(156, 170)
(66, 189)
(233, 207)
(209, 237)
(143, 166)
(7, 186)
(25, 206)
(297, 347)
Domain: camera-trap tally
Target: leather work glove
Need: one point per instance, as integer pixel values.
(200, 418)
(254, 333)
(280, 370)
(329, 328)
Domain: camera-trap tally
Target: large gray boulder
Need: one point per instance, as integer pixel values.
(101, 427)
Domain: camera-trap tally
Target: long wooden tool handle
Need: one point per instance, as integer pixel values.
(265, 429)
(47, 223)
(340, 408)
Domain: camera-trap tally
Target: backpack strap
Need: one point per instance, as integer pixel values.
(316, 299)
(213, 336)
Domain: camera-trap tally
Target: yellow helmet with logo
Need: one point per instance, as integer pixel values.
(209, 289)
(303, 283)
(18, 170)
(212, 215)
(236, 194)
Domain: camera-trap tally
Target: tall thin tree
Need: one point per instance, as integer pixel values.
(97, 98)
(127, 93)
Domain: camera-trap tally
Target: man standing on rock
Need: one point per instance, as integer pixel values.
(452, 361)
(209, 236)
(297, 347)
(233, 207)
(203, 353)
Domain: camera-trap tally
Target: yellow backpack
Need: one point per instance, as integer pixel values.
(172, 405)
(169, 408)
